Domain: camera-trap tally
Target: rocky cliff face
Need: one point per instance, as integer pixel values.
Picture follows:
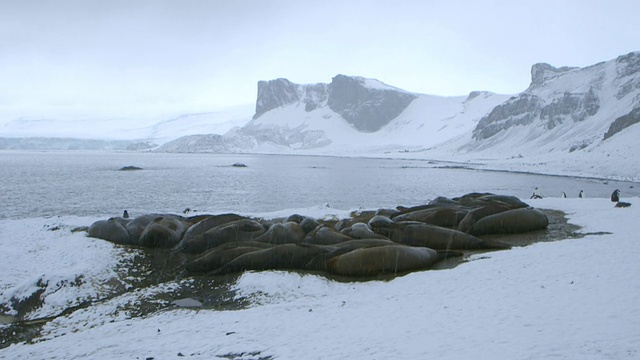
(566, 110)
(275, 93)
(566, 95)
(367, 108)
(366, 104)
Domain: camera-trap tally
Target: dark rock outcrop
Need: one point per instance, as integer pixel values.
(366, 104)
(623, 122)
(275, 93)
(367, 108)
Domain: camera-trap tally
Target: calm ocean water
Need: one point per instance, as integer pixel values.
(42, 184)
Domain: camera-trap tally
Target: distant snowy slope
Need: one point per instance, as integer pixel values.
(565, 110)
(579, 121)
(351, 115)
(157, 130)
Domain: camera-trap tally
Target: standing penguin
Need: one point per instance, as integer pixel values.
(125, 214)
(564, 195)
(581, 195)
(615, 196)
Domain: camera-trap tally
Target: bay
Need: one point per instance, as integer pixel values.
(53, 183)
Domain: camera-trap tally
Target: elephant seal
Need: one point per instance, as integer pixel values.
(439, 238)
(282, 233)
(112, 230)
(194, 236)
(324, 235)
(481, 199)
(391, 259)
(234, 231)
(319, 262)
(441, 200)
(380, 222)
(243, 229)
(136, 226)
(615, 196)
(295, 218)
(280, 257)
(308, 224)
(510, 222)
(386, 212)
(445, 216)
(480, 212)
(164, 232)
(216, 258)
(468, 199)
(361, 230)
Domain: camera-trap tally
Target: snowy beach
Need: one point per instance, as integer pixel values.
(575, 298)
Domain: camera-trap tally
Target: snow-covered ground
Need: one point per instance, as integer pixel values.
(570, 299)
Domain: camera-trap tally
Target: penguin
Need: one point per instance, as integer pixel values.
(536, 194)
(581, 195)
(564, 195)
(615, 196)
(125, 215)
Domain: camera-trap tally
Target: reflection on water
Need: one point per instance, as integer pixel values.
(36, 184)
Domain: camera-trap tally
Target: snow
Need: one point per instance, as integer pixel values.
(69, 267)
(575, 298)
(156, 128)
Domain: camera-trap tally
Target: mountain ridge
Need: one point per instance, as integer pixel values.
(569, 119)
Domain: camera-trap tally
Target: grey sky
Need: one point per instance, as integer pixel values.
(143, 58)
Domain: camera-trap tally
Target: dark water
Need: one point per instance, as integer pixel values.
(36, 184)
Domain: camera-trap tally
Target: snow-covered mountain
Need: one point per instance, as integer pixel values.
(576, 120)
(350, 114)
(139, 133)
(569, 120)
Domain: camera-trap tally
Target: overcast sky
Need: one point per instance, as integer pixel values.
(125, 58)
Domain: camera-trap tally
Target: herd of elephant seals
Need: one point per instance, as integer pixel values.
(386, 241)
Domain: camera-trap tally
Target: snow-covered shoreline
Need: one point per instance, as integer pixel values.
(575, 298)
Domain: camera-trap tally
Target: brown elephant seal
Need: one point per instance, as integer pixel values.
(482, 199)
(469, 198)
(308, 224)
(295, 218)
(163, 232)
(439, 238)
(512, 201)
(510, 222)
(136, 226)
(343, 224)
(361, 230)
(194, 236)
(480, 212)
(445, 216)
(280, 257)
(243, 229)
(441, 200)
(324, 235)
(386, 212)
(282, 233)
(112, 230)
(380, 222)
(234, 231)
(390, 259)
(216, 258)
(319, 263)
